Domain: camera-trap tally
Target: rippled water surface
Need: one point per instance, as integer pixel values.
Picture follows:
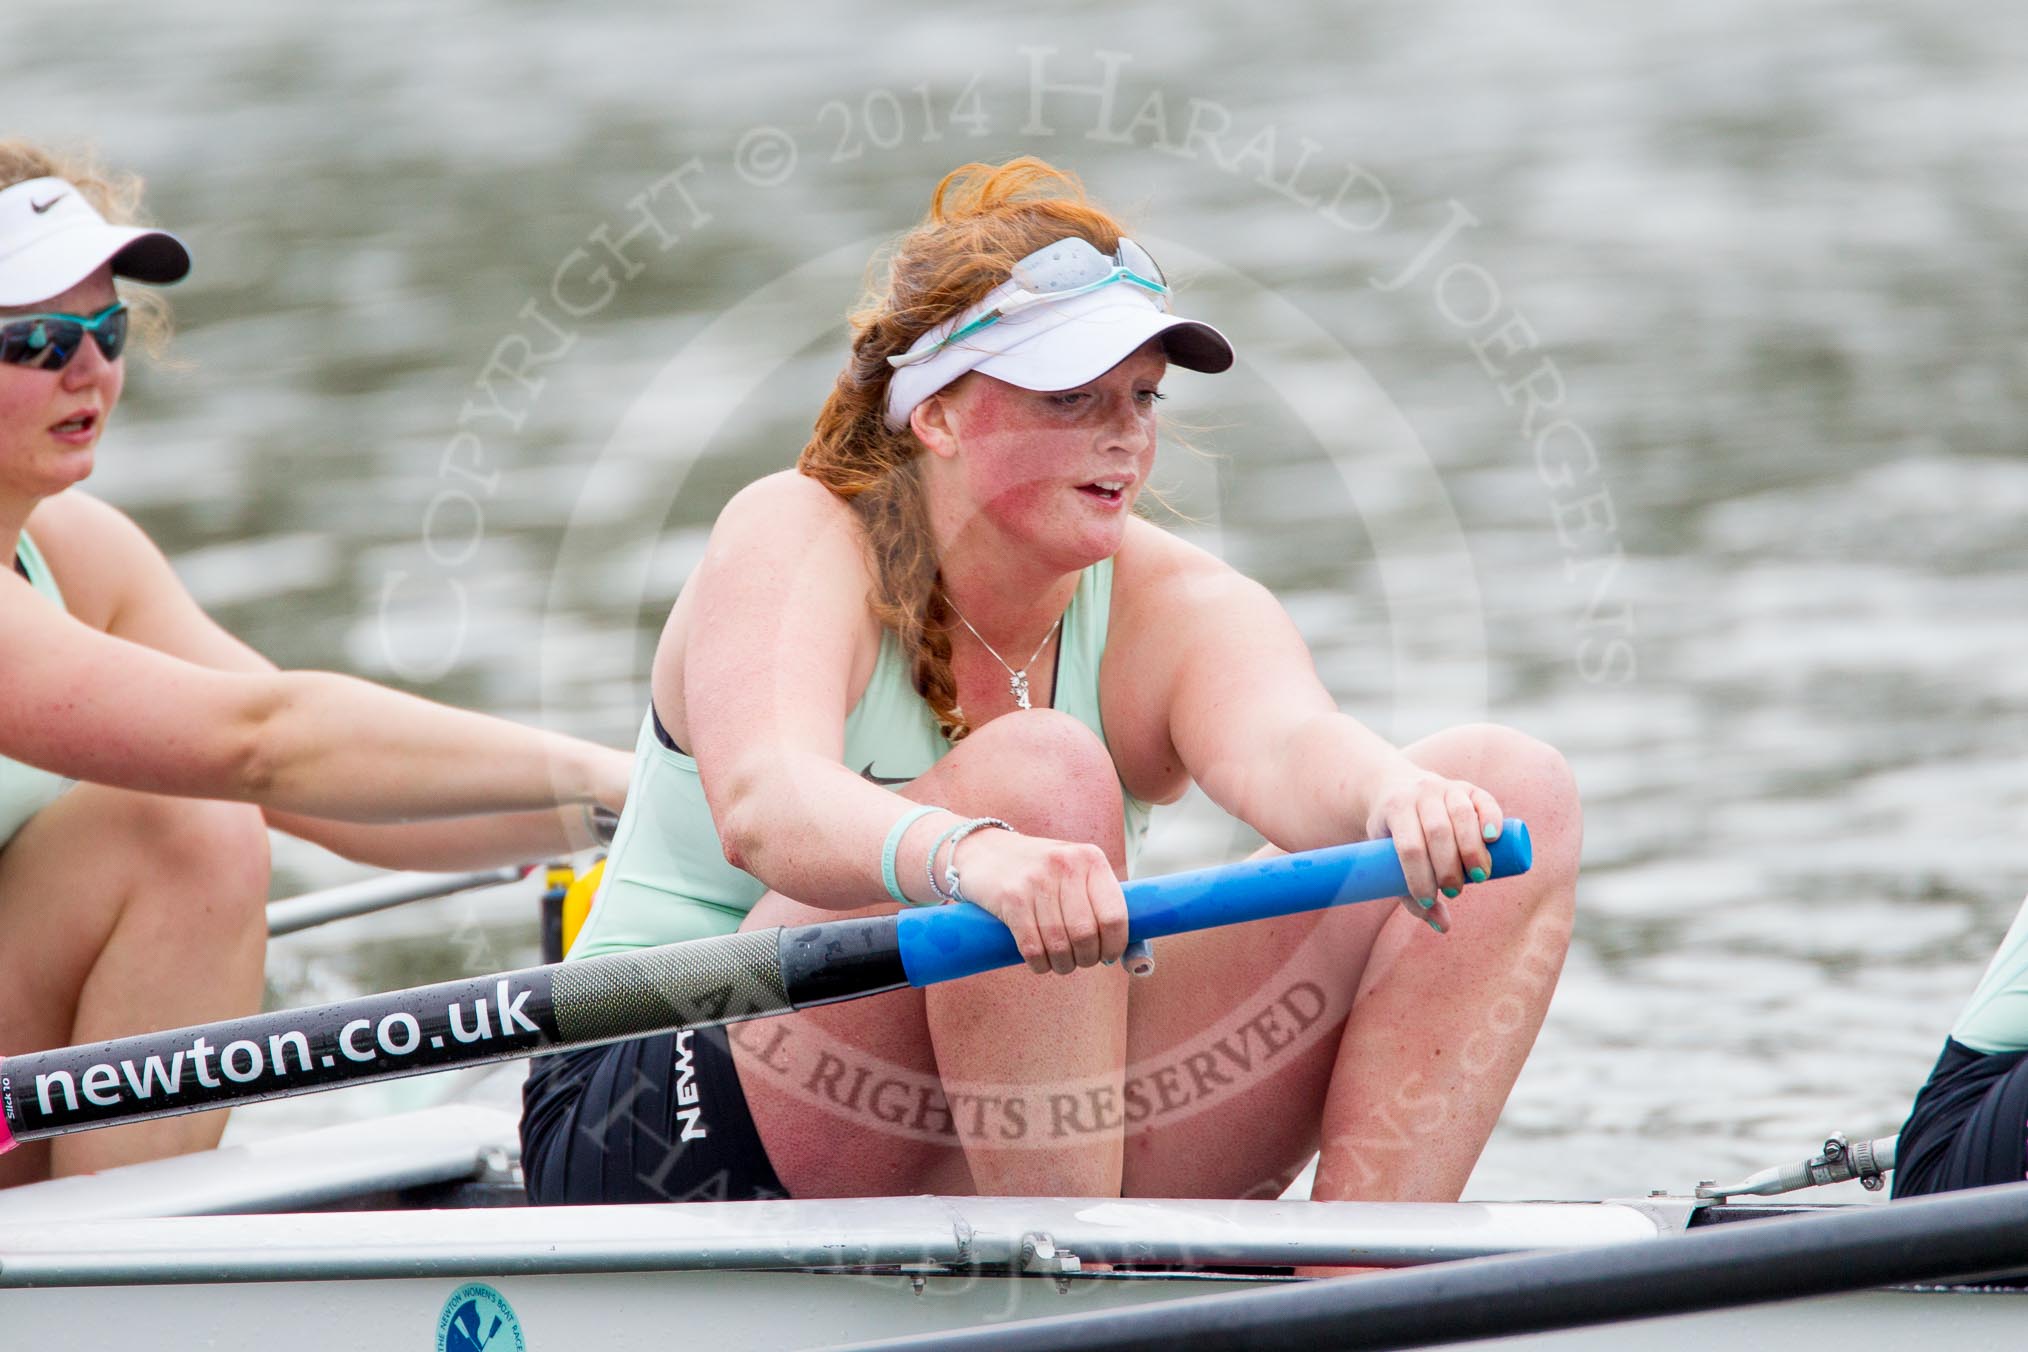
(1772, 260)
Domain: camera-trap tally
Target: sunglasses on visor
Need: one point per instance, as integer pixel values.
(48, 342)
(1069, 267)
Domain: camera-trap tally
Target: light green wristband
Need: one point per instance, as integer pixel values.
(894, 835)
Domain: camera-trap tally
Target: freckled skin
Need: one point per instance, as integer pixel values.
(1385, 1065)
(1026, 452)
(33, 463)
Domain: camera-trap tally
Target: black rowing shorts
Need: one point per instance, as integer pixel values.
(657, 1119)
(1969, 1126)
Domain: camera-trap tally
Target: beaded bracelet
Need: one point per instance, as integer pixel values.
(894, 835)
(930, 863)
(956, 835)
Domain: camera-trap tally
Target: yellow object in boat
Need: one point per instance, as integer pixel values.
(578, 900)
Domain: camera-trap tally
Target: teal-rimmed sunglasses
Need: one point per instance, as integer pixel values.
(1069, 267)
(47, 342)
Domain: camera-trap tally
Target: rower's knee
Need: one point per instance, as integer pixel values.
(1531, 779)
(1542, 791)
(212, 852)
(1049, 774)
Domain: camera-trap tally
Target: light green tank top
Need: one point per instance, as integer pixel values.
(1995, 1019)
(25, 790)
(667, 880)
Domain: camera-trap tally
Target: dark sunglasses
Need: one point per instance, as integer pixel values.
(48, 342)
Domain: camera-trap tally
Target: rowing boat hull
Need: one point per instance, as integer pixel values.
(769, 1311)
(85, 1262)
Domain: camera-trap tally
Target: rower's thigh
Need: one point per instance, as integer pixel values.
(1231, 1044)
(101, 859)
(120, 913)
(847, 1097)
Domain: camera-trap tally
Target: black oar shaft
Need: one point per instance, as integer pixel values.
(453, 1023)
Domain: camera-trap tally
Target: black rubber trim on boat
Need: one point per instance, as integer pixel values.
(1980, 1233)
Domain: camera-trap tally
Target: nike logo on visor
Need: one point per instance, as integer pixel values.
(39, 207)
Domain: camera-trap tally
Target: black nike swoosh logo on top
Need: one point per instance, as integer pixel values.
(39, 207)
(868, 775)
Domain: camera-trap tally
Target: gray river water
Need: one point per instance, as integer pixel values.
(1765, 263)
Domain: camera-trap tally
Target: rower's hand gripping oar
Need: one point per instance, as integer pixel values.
(943, 943)
(633, 994)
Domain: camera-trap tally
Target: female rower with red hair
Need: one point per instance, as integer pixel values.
(943, 657)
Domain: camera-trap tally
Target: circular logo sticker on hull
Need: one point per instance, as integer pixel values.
(478, 1319)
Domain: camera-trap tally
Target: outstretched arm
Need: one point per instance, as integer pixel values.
(91, 706)
(453, 843)
(167, 702)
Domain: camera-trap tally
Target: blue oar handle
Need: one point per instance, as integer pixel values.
(943, 943)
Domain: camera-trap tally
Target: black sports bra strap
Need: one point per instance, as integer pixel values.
(662, 733)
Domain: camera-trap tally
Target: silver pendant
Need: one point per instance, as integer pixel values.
(1017, 681)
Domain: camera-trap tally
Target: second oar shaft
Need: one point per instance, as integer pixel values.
(376, 894)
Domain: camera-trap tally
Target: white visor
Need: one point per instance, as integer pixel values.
(51, 239)
(1056, 346)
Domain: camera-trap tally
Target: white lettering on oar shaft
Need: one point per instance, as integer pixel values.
(345, 1045)
(153, 1073)
(140, 1083)
(292, 1040)
(200, 1060)
(56, 1079)
(482, 1025)
(510, 1012)
(248, 1052)
(101, 1085)
(411, 1030)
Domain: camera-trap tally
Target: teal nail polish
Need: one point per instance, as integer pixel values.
(1433, 924)
(1492, 832)
(1477, 875)
(1452, 892)
(1425, 902)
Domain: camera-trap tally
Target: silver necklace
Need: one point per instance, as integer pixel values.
(1017, 681)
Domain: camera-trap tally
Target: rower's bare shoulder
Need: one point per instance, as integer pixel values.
(96, 551)
(1173, 599)
(1163, 587)
(75, 522)
(1159, 578)
(785, 514)
(782, 588)
(784, 550)
(789, 495)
